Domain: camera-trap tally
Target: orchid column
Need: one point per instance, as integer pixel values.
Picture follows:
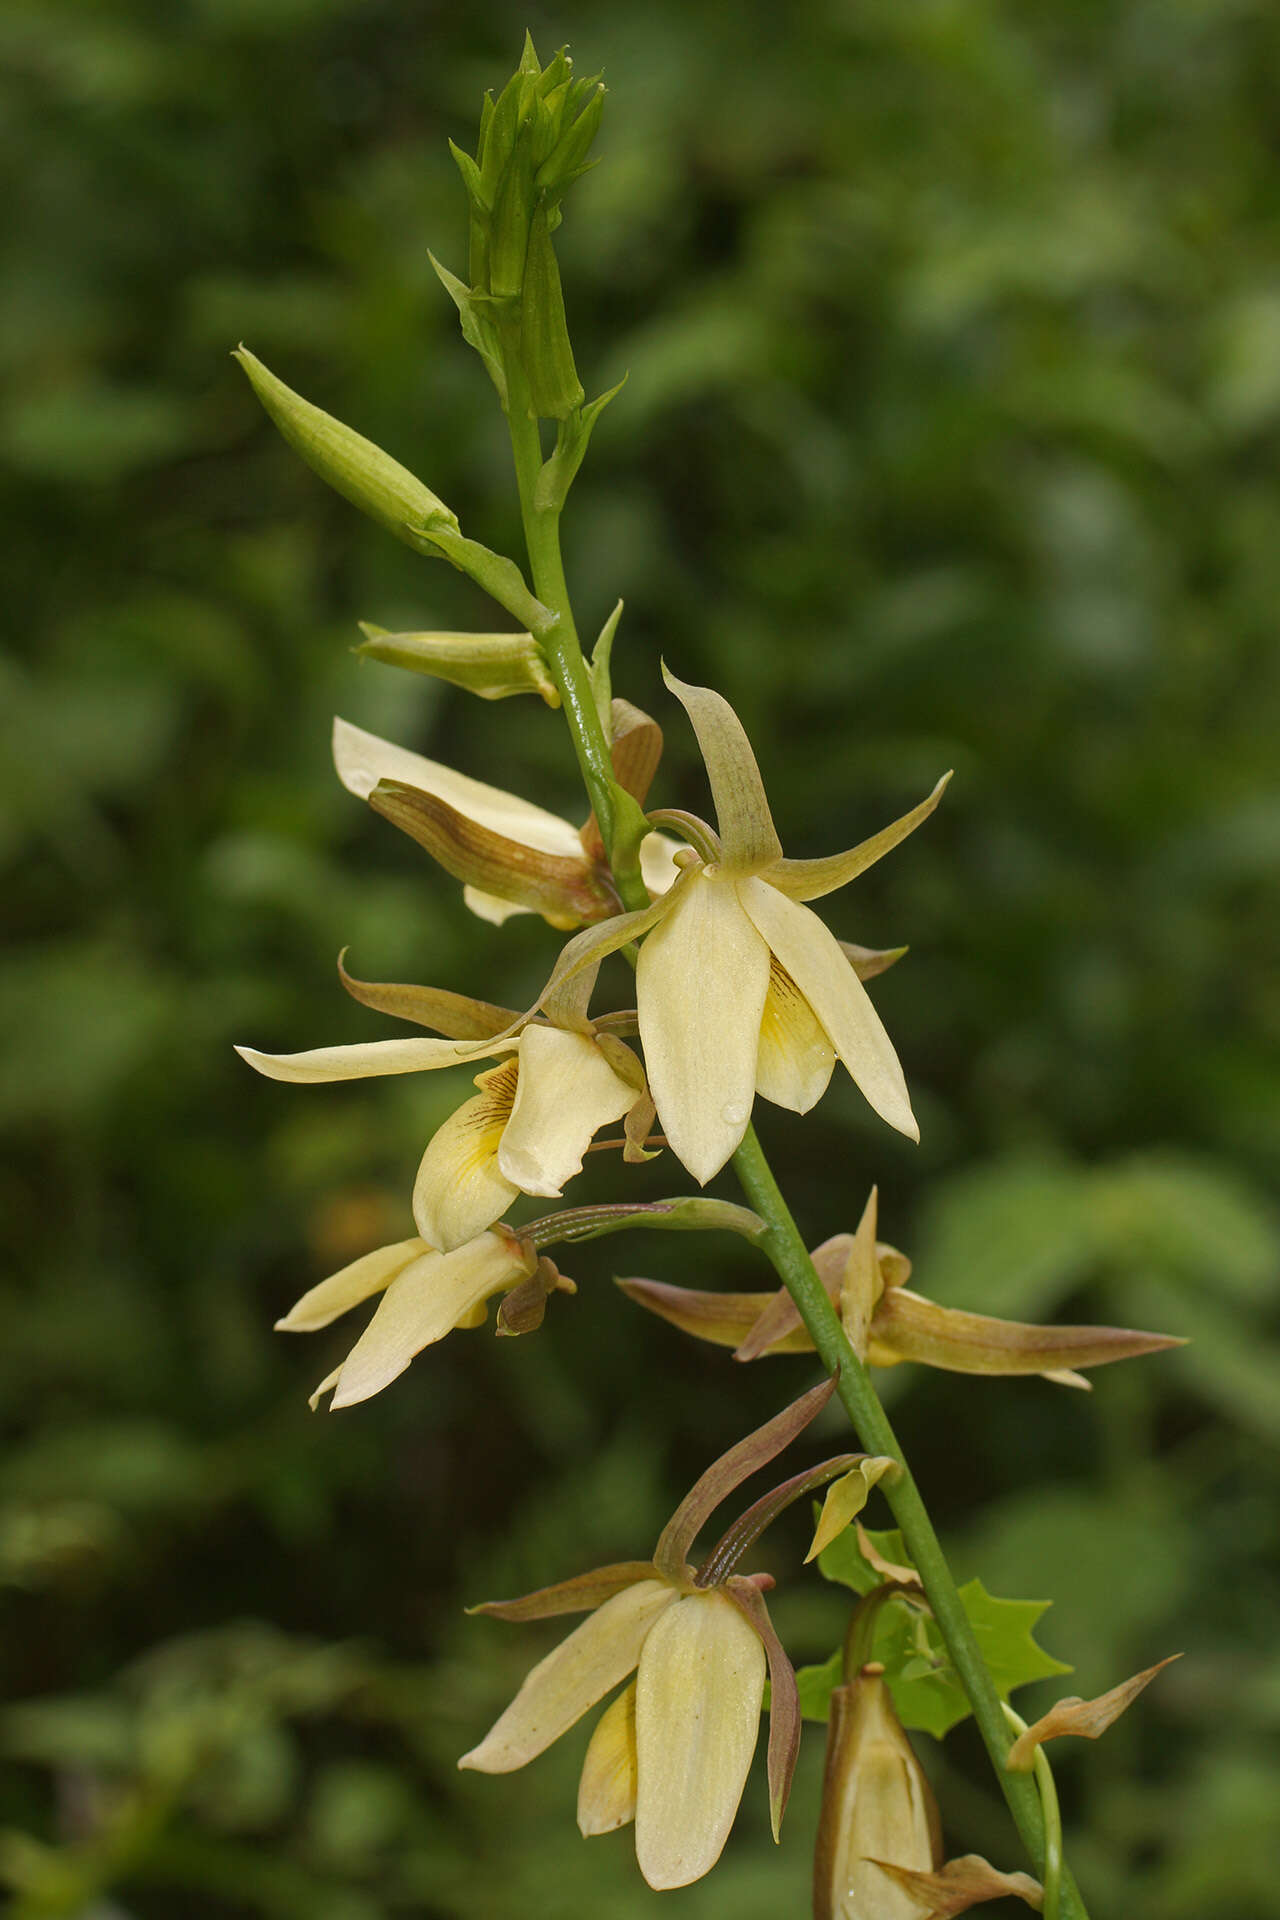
(740, 991)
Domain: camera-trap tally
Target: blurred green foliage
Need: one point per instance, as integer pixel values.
(953, 332)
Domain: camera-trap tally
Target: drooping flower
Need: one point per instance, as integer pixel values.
(887, 1323)
(673, 1749)
(740, 988)
(524, 1131)
(425, 1295)
(512, 857)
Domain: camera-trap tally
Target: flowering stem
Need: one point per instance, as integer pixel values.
(560, 641)
(786, 1249)
(781, 1241)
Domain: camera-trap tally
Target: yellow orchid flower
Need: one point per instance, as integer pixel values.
(540, 863)
(741, 989)
(673, 1749)
(526, 1129)
(425, 1295)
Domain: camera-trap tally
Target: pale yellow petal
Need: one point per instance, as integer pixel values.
(698, 1694)
(700, 990)
(567, 1090)
(346, 1289)
(607, 1789)
(460, 1189)
(422, 1305)
(362, 759)
(795, 1059)
(812, 956)
(658, 867)
(368, 1059)
(746, 826)
(581, 1670)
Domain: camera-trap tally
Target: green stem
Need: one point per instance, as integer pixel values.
(782, 1241)
(786, 1249)
(1053, 1867)
(560, 642)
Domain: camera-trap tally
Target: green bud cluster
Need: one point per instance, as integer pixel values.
(534, 142)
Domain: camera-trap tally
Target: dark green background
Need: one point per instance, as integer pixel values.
(954, 344)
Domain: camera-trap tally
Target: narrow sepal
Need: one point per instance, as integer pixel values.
(905, 1326)
(581, 957)
(968, 1881)
(350, 1287)
(369, 1059)
(742, 1534)
(600, 1653)
(812, 879)
(784, 1699)
(742, 810)
(727, 1474)
(777, 1323)
(725, 1319)
(1087, 1718)
(455, 1015)
(583, 1594)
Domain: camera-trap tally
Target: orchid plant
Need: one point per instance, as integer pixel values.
(741, 991)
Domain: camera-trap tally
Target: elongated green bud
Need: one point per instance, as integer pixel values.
(352, 465)
(555, 390)
(493, 665)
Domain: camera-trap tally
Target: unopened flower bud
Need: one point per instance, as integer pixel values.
(554, 387)
(876, 1805)
(352, 465)
(492, 665)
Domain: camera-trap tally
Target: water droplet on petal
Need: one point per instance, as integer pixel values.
(733, 1114)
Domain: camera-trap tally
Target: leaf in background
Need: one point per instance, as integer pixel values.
(1010, 1237)
(1193, 1219)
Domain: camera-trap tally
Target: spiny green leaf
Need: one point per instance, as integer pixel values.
(925, 1689)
